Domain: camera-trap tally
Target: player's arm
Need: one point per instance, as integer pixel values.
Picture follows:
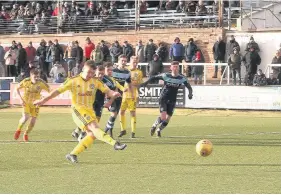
(129, 81)
(190, 91)
(19, 87)
(153, 78)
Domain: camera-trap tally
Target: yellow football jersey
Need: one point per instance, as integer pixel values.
(136, 79)
(32, 91)
(83, 93)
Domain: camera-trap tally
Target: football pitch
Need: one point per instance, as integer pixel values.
(246, 156)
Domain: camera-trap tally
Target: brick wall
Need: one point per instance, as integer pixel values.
(204, 38)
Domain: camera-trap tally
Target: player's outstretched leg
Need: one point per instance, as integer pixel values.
(110, 124)
(29, 128)
(22, 121)
(164, 124)
(154, 126)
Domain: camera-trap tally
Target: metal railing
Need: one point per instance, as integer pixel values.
(268, 69)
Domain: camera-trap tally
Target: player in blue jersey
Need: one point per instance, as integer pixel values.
(168, 96)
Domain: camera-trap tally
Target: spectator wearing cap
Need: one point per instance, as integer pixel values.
(189, 53)
(127, 50)
(21, 59)
(162, 52)
(231, 45)
(41, 52)
(55, 51)
(2, 62)
(252, 44)
(234, 62)
(115, 52)
(30, 52)
(97, 55)
(105, 50)
(251, 60)
(177, 51)
(155, 67)
(219, 54)
(89, 47)
(149, 50)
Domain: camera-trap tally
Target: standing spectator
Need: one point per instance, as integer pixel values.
(14, 12)
(58, 73)
(234, 61)
(162, 52)
(251, 60)
(127, 50)
(79, 57)
(49, 59)
(55, 51)
(219, 55)
(43, 76)
(140, 51)
(149, 50)
(197, 71)
(10, 61)
(97, 55)
(30, 52)
(89, 47)
(177, 51)
(14, 45)
(154, 67)
(2, 64)
(252, 44)
(115, 52)
(42, 54)
(190, 50)
(21, 59)
(276, 60)
(70, 55)
(105, 51)
(232, 44)
(76, 70)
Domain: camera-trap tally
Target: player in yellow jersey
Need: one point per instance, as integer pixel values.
(83, 90)
(32, 87)
(129, 101)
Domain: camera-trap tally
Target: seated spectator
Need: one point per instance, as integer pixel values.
(252, 44)
(38, 9)
(201, 9)
(260, 79)
(197, 71)
(58, 73)
(181, 8)
(143, 7)
(276, 60)
(170, 5)
(5, 15)
(191, 8)
(49, 11)
(21, 12)
(76, 70)
(154, 67)
(91, 11)
(113, 11)
(97, 55)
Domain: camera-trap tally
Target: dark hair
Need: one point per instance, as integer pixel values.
(122, 56)
(174, 63)
(107, 64)
(101, 68)
(91, 64)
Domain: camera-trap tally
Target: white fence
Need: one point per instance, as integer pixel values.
(268, 69)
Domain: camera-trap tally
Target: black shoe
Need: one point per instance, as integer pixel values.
(119, 146)
(152, 130)
(133, 135)
(122, 133)
(110, 133)
(72, 158)
(82, 136)
(75, 135)
(106, 130)
(158, 133)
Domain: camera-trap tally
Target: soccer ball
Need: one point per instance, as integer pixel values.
(204, 148)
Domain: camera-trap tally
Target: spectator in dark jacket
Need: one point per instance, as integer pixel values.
(105, 51)
(219, 55)
(80, 52)
(251, 60)
(42, 54)
(252, 44)
(162, 52)
(21, 59)
(276, 60)
(70, 55)
(31, 52)
(127, 50)
(115, 52)
(149, 50)
(190, 50)
(154, 67)
(231, 45)
(234, 62)
(177, 51)
(56, 52)
(197, 71)
(260, 79)
(2, 62)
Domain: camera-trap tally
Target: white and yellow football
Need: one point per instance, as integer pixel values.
(204, 148)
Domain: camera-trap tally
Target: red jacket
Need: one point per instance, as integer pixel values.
(55, 12)
(88, 49)
(31, 53)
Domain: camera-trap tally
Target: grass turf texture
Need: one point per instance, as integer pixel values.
(246, 156)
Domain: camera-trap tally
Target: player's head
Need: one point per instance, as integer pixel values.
(122, 61)
(34, 74)
(108, 68)
(175, 67)
(134, 60)
(89, 69)
(100, 71)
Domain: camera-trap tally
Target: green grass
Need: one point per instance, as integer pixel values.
(246, 157)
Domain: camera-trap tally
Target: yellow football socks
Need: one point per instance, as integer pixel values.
(123, 122)
(133, 123)
(101, 135)
(20, 125)
(83, 144)
(29, 128)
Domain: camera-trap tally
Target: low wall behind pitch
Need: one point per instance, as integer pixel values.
(213, 97)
